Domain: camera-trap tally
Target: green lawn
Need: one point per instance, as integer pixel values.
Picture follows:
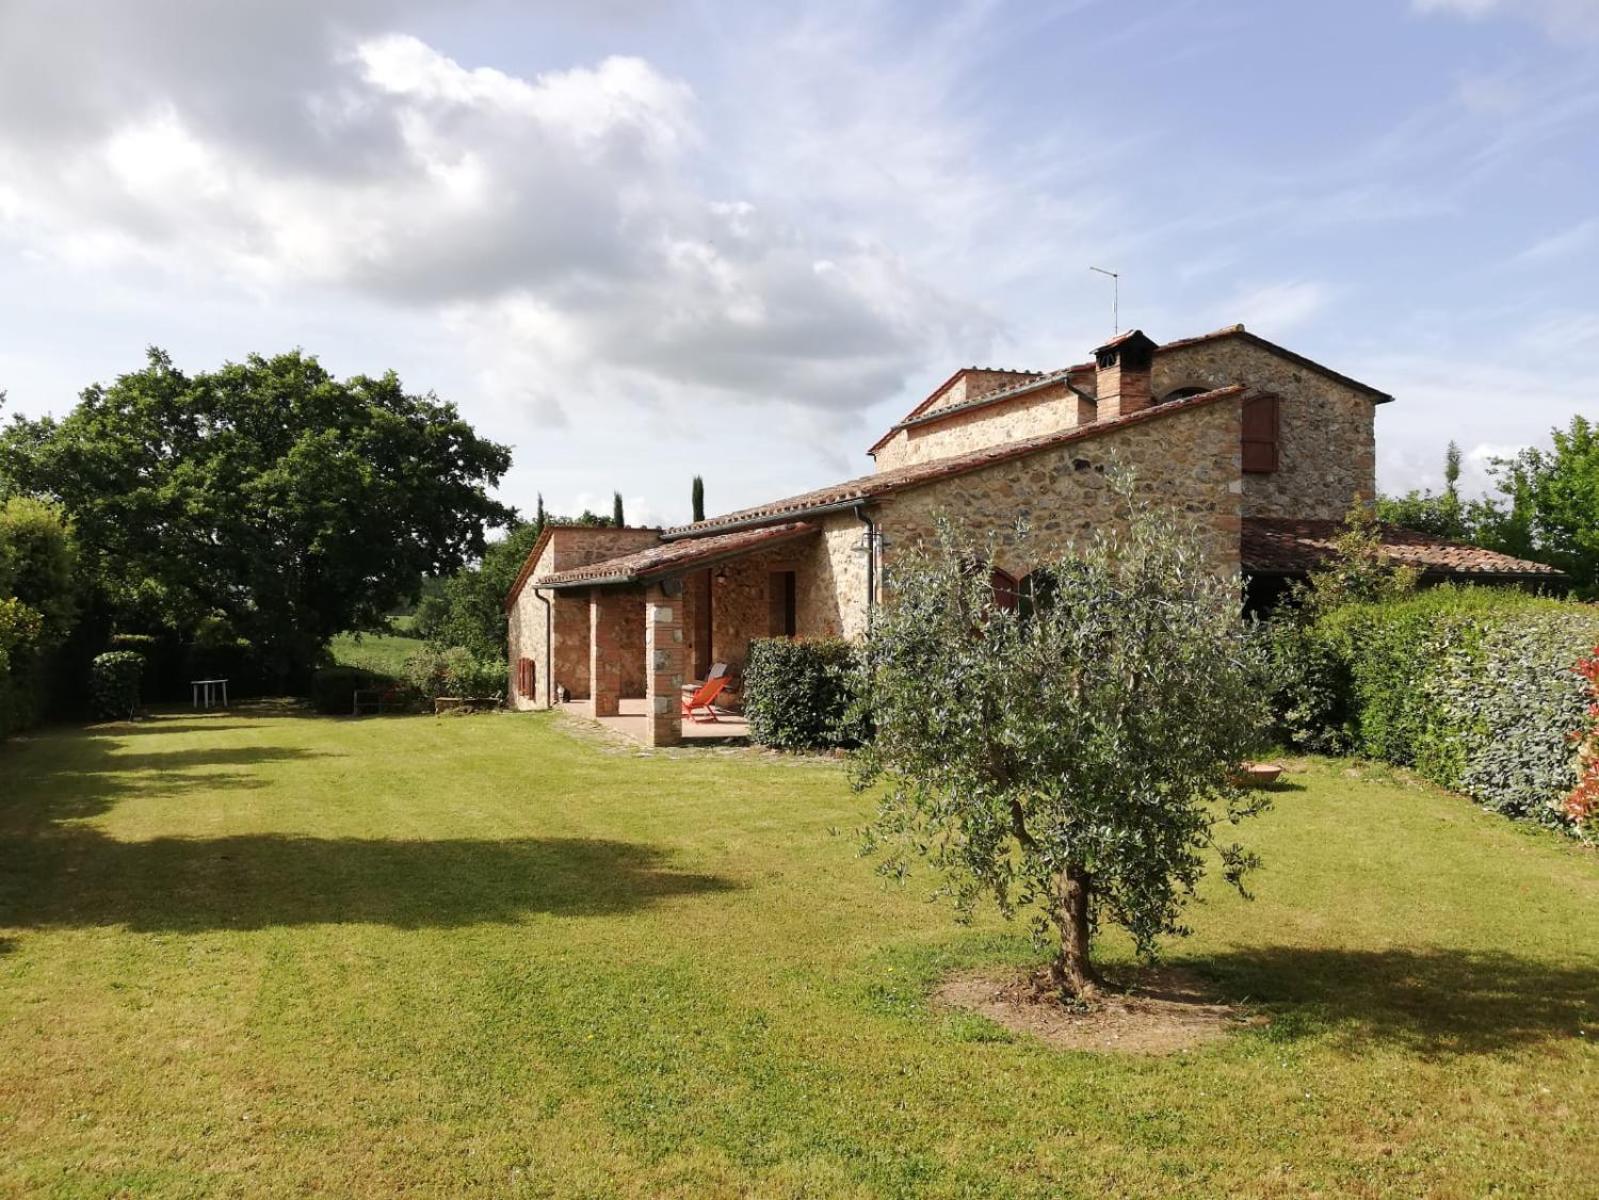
(271, 955)
(385, 653)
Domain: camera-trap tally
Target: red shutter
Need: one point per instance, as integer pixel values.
(1260, 434)
(525, 679)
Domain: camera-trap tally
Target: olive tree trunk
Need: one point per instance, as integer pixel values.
(1072, 970)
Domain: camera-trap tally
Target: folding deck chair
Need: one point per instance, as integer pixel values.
(704, 698)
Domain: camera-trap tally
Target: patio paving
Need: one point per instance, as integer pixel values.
(727, 728)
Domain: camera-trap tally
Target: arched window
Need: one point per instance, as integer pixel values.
(1183, 393)
(1004, 588)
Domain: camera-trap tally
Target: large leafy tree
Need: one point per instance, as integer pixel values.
(1550, 506)
(289, 502)
(468, 608)
(1073, 752)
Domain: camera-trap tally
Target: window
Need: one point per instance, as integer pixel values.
(781, 607)
(1260, 435)
(1004, 588)
(1183, 393)
(1035, 592)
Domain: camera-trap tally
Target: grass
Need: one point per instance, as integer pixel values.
(259, 954)
(385, 653)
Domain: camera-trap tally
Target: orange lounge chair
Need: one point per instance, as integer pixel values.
(704, 699)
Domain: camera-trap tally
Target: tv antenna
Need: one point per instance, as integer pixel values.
(1115, 298)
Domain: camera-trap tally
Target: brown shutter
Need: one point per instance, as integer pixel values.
(1260, 434)
(1004, 587)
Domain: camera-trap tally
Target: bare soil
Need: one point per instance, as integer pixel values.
(1160, 1010)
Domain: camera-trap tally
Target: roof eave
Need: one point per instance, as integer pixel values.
(793, 514)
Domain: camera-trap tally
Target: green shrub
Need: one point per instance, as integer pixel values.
(1475, 688)
(20, 628)
(454, 672)
(114, 684)
(799, 695)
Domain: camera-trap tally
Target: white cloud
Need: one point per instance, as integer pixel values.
(1275, 308)
(1559, 17)
(1558, 246)
(558, 221)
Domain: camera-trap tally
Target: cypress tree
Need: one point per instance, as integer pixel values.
(616, 510)
(699, 498)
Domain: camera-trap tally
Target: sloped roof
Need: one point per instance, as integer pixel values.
(999, 396)
(920, 415)
(1289, 546)
(852, 491)
(921, 409)
(1238, 331)
(670, 557)
(548, 532)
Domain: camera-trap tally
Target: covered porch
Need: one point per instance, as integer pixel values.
(636, 632)
(632, 720)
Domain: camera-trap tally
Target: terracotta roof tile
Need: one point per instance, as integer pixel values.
(670, 557)
(841, 495)
(1286, 546)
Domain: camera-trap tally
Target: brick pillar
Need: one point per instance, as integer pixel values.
(663, 665)
(605, 651)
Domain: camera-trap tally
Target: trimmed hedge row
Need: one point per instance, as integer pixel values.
(798, 695)
(1476, 688)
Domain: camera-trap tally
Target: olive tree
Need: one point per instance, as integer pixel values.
(1071, 748)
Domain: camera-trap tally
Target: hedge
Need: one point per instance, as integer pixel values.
(798, 695)
(1476, 688)
(454, 672)
(114, 679)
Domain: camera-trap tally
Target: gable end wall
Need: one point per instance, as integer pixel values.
(1327, 435)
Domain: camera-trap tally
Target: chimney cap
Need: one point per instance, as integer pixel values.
(1127, 341)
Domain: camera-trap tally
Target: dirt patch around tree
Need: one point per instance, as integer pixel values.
(1159, 1010)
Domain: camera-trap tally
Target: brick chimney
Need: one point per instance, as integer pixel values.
(1123, 367)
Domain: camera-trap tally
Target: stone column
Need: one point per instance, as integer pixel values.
(605, 652)
(663, 664)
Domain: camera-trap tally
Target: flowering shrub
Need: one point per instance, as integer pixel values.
(1582, 805)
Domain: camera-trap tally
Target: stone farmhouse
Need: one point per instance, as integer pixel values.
(1265, 449)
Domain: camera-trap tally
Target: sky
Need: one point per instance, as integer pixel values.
(640, 241)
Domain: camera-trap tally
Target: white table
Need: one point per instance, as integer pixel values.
(208, 690)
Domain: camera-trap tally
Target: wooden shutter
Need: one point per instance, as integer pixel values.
(1004, 587)
(1260, 434)
(525, 680)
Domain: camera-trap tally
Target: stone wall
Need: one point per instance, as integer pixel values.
(571, 546)
(526, 637)
(831, 599)
(1044, 411)
(741, 600)
(1327, 441)
(1188, 462)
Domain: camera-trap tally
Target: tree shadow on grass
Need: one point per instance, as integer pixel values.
(81, 777)
(1432, 1002)
(75, 878)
